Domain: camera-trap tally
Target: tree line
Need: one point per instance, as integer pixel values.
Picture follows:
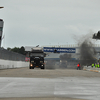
(20, 50)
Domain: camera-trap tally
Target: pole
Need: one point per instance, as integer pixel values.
(1, 7)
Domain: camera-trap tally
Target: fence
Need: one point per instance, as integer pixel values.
(9, 55)
(70, 45)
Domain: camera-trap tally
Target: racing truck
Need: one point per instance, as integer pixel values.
(37, 59)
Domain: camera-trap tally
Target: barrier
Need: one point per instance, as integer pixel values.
(89, 68)
(5, 64)
(9, 55)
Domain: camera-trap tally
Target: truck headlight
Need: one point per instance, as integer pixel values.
(31, 65)
(41, 65)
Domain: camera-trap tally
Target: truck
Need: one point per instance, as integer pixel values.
(36, 59)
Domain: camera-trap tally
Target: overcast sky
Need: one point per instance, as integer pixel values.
(48, 22)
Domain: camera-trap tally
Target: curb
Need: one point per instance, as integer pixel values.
(92, 69)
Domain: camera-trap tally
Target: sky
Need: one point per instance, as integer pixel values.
(48, 22)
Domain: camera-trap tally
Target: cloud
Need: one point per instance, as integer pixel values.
(48, 21)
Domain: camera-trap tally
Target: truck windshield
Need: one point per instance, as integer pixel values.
(36, 54)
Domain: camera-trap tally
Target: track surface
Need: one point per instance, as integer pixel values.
(80, 83)
(38, 73)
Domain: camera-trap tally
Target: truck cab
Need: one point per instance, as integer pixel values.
(37, 59)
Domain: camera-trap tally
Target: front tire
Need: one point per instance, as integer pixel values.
(42, 67)
(30, 67)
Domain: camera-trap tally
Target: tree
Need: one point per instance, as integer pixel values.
(9, 49)
(22, 50)
(18, 50)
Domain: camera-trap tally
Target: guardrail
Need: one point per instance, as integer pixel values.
(89, 68)
(6, 64)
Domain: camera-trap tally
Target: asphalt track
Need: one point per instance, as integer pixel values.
(58, 84)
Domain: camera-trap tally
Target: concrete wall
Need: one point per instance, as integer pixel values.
(5, 64)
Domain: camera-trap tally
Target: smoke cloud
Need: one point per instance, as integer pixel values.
(87, 52)
(65, 57)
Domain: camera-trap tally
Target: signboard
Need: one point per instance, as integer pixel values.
(59, 50)
(27, 59)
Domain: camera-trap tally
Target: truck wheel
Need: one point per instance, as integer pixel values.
(30, 67)
(42, 67)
